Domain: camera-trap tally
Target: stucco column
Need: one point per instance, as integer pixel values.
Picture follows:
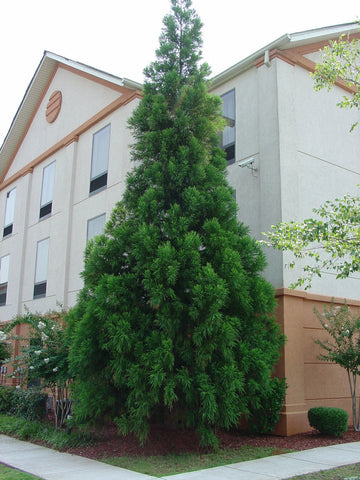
(69, 208)
(28, 188)
(290, 314)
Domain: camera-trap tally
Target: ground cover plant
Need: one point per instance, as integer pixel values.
(43, 432)
(175, 321)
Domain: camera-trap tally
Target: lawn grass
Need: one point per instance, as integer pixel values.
(7, 473)
(350, 472)
(160, 466)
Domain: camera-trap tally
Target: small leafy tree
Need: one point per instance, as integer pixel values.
(175, 319)
(343, 347)
(330, 242)
(341, 62)
(43, 357)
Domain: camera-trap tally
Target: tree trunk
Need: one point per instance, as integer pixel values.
(352, 382)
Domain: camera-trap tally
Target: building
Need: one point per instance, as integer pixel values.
(63, 166)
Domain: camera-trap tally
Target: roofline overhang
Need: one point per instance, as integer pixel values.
(50, 61)
(35, 91)
(289, 40)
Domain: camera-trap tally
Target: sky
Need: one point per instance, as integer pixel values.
(120, 37)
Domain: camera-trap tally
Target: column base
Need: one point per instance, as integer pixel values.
(293, 419)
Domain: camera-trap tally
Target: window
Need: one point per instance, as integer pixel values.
(228, 135)
(100, 159)
(4, 274)
(42, 254)
(95, 226)
(47, 190)
(9, 212)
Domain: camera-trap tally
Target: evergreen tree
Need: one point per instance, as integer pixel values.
(174, 317)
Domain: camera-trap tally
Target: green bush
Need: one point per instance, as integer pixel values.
(29, 404)
(6, 398)
(264, 418)
(33, 430)
(329, 421)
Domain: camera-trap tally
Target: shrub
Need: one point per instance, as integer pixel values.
(6, 398)
(29, 404)
(264, 418)
(329, 421)
(33, 430)
(43, 357)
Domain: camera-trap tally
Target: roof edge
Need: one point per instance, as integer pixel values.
(34, 91)
(289, 40)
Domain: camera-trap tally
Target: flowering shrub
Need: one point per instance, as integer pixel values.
(342, 346)
(43, 359)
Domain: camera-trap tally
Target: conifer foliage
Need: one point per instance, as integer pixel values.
(174, 321)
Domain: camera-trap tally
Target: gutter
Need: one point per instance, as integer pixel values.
(248, 62)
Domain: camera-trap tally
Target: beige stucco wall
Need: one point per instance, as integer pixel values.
(81, 99)
(72, 205)
(311, 382)
(304, 154)
(319, 159)
(13, 244)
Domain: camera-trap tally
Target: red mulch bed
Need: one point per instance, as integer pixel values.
(163, 441)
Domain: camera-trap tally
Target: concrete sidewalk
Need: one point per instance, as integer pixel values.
(51, 465)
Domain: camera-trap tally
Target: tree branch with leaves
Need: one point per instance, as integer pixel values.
(341, 63)
(343, 346)
(43, 357)
(330, 241)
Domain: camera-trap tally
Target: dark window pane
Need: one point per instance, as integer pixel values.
(98, 182)
(40, 290)
(8, 230)
(45, 210)
(230, 154)
(3, 291)
(228, 134)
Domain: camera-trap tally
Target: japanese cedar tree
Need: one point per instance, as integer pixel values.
(174, 320)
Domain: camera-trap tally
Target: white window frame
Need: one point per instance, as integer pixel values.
(100, 159)
(47, 190)
(93, 224)
(41, 268)
(9, 212)
(228, 138)
(4, 278)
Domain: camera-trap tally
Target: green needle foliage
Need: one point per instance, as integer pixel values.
(174, 322)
